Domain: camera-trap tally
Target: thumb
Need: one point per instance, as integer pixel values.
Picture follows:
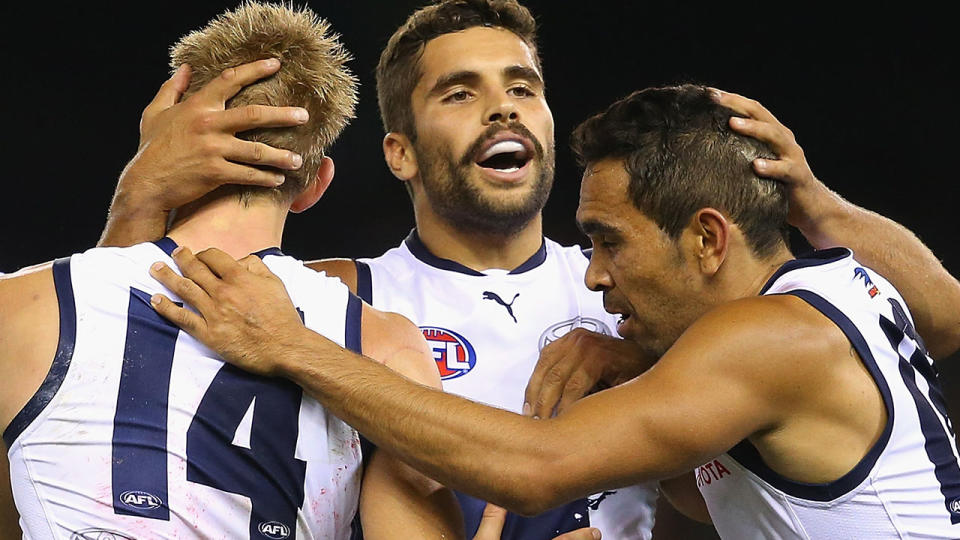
(491, 523)
(169, 93)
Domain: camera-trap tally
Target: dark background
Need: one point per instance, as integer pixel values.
(866, 92)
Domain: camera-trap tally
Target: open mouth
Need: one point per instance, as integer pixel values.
(505, 156)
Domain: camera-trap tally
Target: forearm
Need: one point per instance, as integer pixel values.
(490, 453)
(132, 219)
(932, 294)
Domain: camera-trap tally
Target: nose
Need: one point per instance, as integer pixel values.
(502, 109)
(597, 278)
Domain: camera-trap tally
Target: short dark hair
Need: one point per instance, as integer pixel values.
(399, 68)
(313, 75)
(681, 155)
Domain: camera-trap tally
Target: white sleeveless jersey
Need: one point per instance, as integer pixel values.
(140, 432)
(486, 330)
(908, 484)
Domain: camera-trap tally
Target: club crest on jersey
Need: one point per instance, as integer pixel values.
(99, 534)
(454, 355)
(557, 331)
(274, 529)
(860, 273)
(140, 500)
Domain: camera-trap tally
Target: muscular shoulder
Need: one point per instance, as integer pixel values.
(29, 329)
(779, 344)
(344, 269)
(396, 342)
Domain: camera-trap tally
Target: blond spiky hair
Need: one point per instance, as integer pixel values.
(313, 75)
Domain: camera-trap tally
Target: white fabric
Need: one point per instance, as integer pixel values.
(893, 493)
(61, 464)
(553, 299)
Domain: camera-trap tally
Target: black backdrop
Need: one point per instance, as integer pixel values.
(866, 92)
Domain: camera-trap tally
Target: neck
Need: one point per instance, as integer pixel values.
(223, 222)
(743, 276)
(759, 271)
(476, 250)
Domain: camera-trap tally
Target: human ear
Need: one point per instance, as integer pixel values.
(315, 189)
(400, 156)
(711, 238)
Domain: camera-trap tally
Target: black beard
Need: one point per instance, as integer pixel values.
(463, 205)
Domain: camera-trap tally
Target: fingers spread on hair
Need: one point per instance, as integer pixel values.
(232, 80)
(169, 93)
(262, 116)
(257, 153)
(746, 106)
(775, 169)
(234, 173)
(773, 135)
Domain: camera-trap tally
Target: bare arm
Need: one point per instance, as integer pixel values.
(395, 496)
(188, 148)
(523, 464)
(344, 269)
(29, 324)
(684, 495)
(827, 220)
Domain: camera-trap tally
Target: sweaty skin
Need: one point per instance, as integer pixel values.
(770, 395)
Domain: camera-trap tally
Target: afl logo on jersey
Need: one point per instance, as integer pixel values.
(561, 329)
(140, 500)
(274, 529)
(955, 506)
(454, 355)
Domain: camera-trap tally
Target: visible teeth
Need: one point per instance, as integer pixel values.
(510, 170)
(502, 147)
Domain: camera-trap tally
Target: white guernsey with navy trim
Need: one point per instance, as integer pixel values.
(908, 484)
(486, 330)
(139, 431)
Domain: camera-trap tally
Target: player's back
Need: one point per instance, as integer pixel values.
(140, 431)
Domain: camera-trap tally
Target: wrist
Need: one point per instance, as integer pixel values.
(817, 211)
(305, 355)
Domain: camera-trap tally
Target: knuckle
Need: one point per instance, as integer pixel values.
(204, 121)
(254, 114)
(258, 151)
(552, 378)
(229, 74)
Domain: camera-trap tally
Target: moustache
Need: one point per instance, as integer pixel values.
(513, 127)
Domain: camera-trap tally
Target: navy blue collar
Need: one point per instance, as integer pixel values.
(168, 245)
(816, 258)
(420, 251)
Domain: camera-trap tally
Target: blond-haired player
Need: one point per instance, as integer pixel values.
(117, 423)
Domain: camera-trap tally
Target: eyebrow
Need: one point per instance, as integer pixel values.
(452, 79)
(593, 228)
(468, 77)
(526, 73)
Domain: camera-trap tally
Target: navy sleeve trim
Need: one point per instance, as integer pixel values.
(61, 360)
(748, 456)
(352, 334)
(364, 282)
